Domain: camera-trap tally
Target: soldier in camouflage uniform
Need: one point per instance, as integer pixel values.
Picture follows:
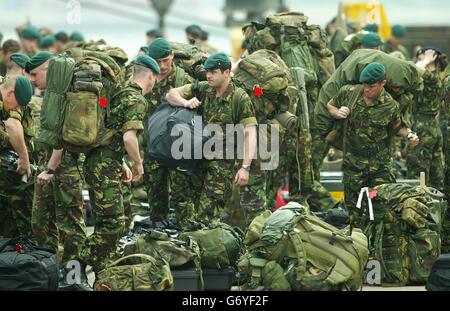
(103, 166)
(159, 179)
(428, 156)
(393, 44)
(15, 200)
(29, 40)
(57, 216)
(372, 118)
(222, 103)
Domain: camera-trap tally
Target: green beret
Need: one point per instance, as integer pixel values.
(30, 33)
(218, 60)
(194, 28)
(155, 32)
(398, 31)
(144, 49)
(371, 40)
(61, 36)
(20, 59)
(37, 60)
(372, 73)
(77, 36)
(159, 48)
(371, 27)
(23, 90)
(47, 42)
(147, 61)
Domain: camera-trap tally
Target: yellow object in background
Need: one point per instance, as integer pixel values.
(237, 37)
(367, 13)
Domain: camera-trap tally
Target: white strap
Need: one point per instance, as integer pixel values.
(369, 200)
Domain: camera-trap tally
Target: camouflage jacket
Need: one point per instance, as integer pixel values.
(429, 102)
(233, 107)
(128, 108)
(177, 78)
(369, 126)
(25, 117)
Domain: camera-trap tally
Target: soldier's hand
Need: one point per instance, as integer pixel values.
(127, 174)
(44, 178)
(138, 171)
(241, 178)
(343, 112)
(23, 167)
(413, 139)
(430, 56)
(192, 103)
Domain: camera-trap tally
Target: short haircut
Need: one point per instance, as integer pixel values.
(11, 46)
(139, 70)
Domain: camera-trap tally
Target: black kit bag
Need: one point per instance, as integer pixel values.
(26, 267)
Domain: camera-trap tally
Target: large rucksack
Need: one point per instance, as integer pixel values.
(153, 274)
(292, 249)
(81, 84)
(190, 58)
(298, 44)
(405, 233)
(266, 70)
(24, 266)
(402, 78)
(220, 245)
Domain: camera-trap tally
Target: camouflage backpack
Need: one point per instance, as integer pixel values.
(220, 245)
(190, 59)
(150, 275)
(292, 249)
(81, 84)
(405, 233)
(264, 69)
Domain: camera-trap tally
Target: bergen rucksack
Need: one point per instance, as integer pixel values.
(82, 83)
(264, 69)
(292, 249)
(190, 59)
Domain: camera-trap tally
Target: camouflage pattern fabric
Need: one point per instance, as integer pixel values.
(366, 143)
(428, 156)
(219, 174)
(103, 172)
(57, 216)
(160, 182)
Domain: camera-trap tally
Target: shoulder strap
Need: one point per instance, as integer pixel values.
(354, 98)
(236, 101)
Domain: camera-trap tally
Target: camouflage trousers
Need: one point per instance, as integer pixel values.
(15, 204)
(172, 190)
(103, 175)
(363, 171)
(57, 217)
(217, 193)
(428, 155)
(296, 168)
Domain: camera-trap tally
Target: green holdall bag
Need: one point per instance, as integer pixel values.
(150, 275)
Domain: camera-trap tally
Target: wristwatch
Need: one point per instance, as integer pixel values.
(246, 167)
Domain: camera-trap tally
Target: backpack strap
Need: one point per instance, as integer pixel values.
(236, 101)
(354, 98)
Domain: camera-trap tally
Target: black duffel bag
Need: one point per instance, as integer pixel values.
(159, 140)
(24, 266)
(439, 279)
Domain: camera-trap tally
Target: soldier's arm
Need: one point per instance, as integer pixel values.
(337, 113)
(178, 97)
(17, 139)
(131, 144)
